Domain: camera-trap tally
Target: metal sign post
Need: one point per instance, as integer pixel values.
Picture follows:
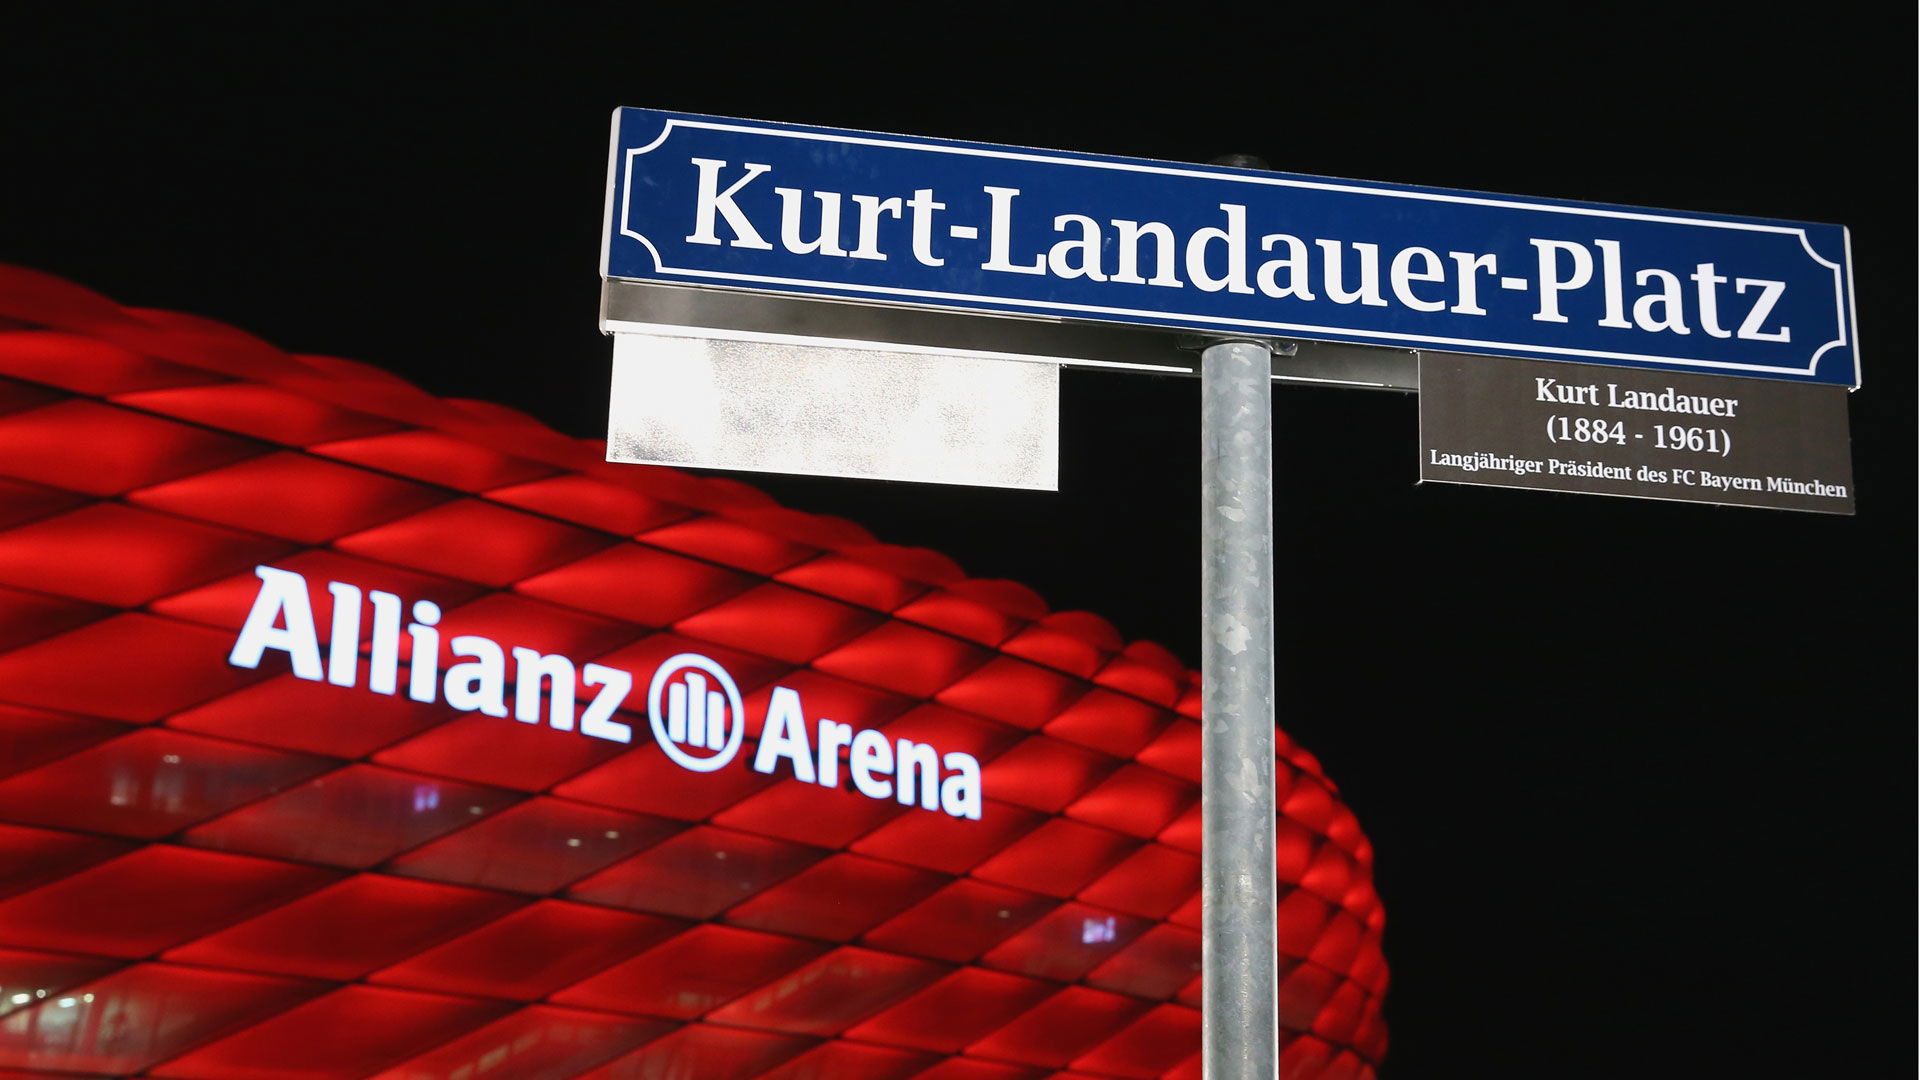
(1238, 890)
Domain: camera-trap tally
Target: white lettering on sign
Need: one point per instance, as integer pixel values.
(1553, 391)
(1228, 257)
(694, 707)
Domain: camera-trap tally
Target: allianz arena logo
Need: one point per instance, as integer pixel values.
(694, 707)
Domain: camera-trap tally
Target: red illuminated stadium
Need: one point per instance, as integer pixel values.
(212, 871)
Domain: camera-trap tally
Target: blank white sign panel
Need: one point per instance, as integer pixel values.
(865, 411)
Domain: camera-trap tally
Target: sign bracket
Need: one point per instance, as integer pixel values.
(696, 311)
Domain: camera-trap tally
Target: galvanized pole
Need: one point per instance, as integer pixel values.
(1241, 1036)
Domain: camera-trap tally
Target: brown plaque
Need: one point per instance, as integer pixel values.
(1624, 431)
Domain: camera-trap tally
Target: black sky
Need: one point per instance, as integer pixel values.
(1639, 775)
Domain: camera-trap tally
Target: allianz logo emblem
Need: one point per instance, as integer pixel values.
(703, 712)
(694, 707)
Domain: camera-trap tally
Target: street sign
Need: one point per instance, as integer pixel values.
(745, 230)
(1654, 435)
(929, 223)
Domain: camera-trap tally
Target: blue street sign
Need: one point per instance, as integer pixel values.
(932, 223)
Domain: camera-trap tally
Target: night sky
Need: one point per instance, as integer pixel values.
(1639, 774)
